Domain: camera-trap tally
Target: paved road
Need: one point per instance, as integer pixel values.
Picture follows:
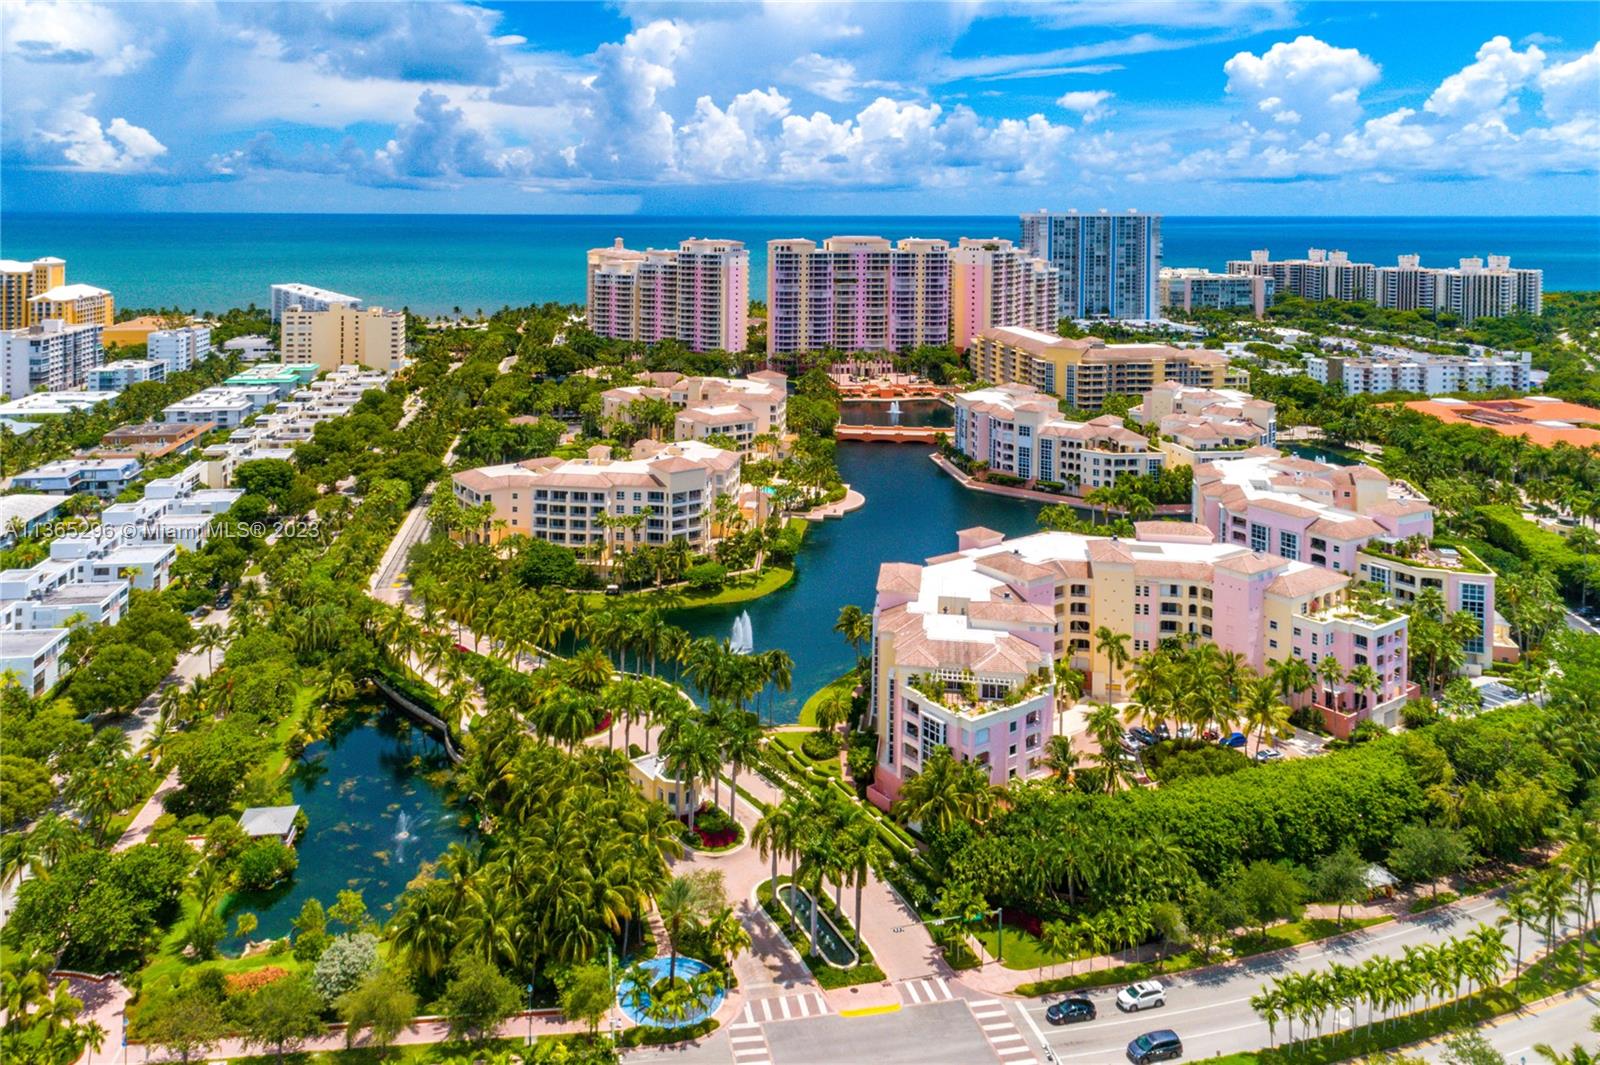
(1579, 624)
(1560, 1024)
(924, 1035)
(1211, 1010)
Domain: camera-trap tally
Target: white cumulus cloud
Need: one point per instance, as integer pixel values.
(1089, 103)
(1489, 84)
(1305, 82)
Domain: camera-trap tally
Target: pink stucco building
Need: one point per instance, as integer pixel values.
(698, 294)
(1351, 519)
(964, 646)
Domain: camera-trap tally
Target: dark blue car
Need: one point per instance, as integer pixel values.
(1163, 1045)
(1233, 739)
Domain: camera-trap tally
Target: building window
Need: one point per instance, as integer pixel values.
(1472, 601)
(1289, 545)
(1258, 537)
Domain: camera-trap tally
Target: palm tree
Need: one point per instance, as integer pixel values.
(1105, 725)
(1114, 646)
(683, 904)
(741, 747)
(208, 639)
(1332, 674)
(1521, 910)
(863, 855)
(939, 796)
(1263, 712)
(779, 833)
(855, 626)
(1366, 681)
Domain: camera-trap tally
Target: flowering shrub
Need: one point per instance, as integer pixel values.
(253, 980)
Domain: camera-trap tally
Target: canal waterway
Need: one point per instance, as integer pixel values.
(913, 511)
(373, 797)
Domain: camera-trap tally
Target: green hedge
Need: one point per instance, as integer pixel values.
(649, 1036)
(1537, 547)
(866, 971)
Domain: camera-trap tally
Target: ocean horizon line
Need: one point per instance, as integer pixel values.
(639, 216)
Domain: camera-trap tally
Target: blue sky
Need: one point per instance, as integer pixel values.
(1198, 107)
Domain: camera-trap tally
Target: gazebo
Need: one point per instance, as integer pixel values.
(275, 821)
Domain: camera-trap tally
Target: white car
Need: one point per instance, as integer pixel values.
(1146, 994)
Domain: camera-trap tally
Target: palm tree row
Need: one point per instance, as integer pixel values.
(1388, 987)
(826, 838)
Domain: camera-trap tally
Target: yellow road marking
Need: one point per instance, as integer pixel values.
(868, 1011)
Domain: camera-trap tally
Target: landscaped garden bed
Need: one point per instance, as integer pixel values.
(865, 971)
(713, 830)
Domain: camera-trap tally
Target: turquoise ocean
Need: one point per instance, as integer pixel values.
(434, 263)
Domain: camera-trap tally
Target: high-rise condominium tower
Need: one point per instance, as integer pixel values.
(1107, 263)
(698, 294)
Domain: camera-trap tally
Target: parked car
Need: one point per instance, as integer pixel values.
(1070, 1011)
(225, 600)
(1268, 754)
(200, 611)
(1144, 995)
(1162, 732)
(1185, 731)
(1142, 736)
(1233, 739)
(463, 649)
(1162, 1045)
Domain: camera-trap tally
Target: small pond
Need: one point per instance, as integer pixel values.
(635, 1001)
(830, 941)
(373, 795)
(1325, 453)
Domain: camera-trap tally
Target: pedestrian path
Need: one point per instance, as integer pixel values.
(785, 1008)
(1005, 1038)
(925, 990)
(749, 1046)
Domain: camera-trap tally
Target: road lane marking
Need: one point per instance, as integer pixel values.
(869, 1011)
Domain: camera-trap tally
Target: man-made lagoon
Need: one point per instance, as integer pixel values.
(912, 513)
(912, 413)
(374, 804)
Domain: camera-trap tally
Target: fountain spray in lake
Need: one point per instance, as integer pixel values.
(740, 639)
(402, 832)
(894, 410)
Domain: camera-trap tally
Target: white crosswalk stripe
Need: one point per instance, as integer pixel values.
(920, 991)
(1000, 1029)
(783, 1008)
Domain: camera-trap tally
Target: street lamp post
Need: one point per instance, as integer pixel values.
(529, 990)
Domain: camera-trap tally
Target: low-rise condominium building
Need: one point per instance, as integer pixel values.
(740, 408)
(663, 492)
(343, 335)
(965, 646)
(104, 477)
(1351, 519)
(698, 294)
(1434, 375)
(853, 294)
(1192, 289)
(1084, 371)
(1017, 431)
(119, 375)
(1203, 424)
(49, 356)
(1321, 275)
(308, 298)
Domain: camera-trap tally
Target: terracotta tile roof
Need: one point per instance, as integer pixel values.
(1282, 506)
(904, 577)
(1012, 565)
(1161, 530)
(1307, 581)
(1108, 551)
(1397, 508)
(1173, 568)
(1033, 613)
(1349, 529)
(1250, 562)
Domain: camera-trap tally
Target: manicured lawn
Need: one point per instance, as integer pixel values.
(742, 589)
(1277, 937)
(792, 742)
(833, 689)
(410, 1054)
(1022, 950)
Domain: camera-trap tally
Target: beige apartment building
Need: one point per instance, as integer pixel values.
(344, 336)
(671, 489)
(740, 408)
(1084, 371)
